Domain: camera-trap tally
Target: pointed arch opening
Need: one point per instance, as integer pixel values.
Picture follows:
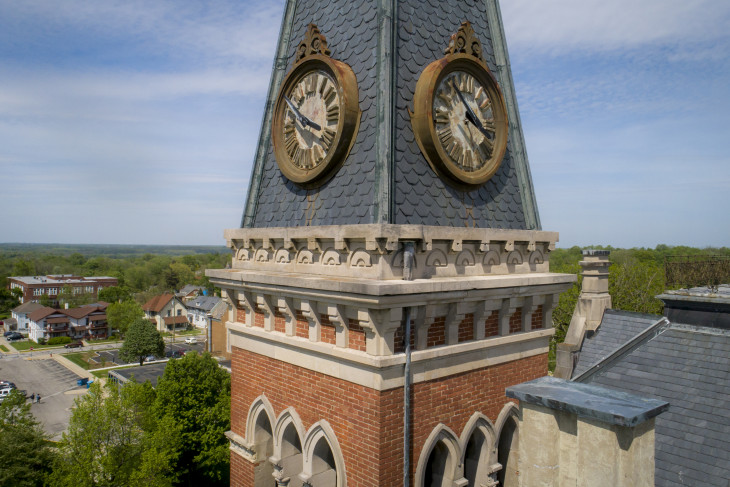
(324, 465)
(508, 445)
(287, 457)
(439, 464)
(479, 447)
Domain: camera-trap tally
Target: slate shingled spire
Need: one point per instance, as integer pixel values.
(386, 179)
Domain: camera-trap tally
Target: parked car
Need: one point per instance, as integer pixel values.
(8, 333)
(150, 358)
(74, 344)
(14, 336)
(191, 340)
(174, 354)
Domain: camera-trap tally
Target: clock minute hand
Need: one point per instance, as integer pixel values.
(470, 115)
(301, 118)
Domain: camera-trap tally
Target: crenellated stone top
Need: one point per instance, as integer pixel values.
(376, 251)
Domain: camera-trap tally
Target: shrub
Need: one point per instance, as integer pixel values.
(41, 341)
(59, 340)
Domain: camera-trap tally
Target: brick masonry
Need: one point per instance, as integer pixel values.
(369, 423)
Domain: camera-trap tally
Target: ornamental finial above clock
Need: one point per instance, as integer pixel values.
(465, 41)
(314, 43)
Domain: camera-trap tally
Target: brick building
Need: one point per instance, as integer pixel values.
(329, 389)
(34, 287)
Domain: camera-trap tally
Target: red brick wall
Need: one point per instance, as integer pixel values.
(242, 471)
(302, 326)
(537, 318)
(356, 336)
(436, 333)
(369, 423)
(491, 325)
(279, 322)
(240, 315)
(515, 321)
(466, 328)
(328, 333)
(258, 318)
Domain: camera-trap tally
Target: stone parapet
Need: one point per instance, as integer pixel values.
(375, 251)
(581, 434)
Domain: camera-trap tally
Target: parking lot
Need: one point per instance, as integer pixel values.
(111, 357)
(54, 382)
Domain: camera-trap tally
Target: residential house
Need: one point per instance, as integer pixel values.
(20, 313)
(84, 322)
(189, 292)
(167, 312)
(34, 287)
(198, 309)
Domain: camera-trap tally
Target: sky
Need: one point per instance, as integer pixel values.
(136, 122)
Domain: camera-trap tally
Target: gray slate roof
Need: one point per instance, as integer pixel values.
(27, 307)
(617, 328)
(203, 303)
(688, 366)
(359, 193)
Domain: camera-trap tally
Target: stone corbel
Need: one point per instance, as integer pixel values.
(380, 327)
(285, 306)
(309, 310)
(339, 321)
(454, 316)
(484, 246)
(424, 317)
(264, 303)
(528, 307)
(289, 244)
(508, 308)
(314, 245)
(456, 246)
(482, 313)
(245, 298)
(548, 306)
(267, 244)
(341, 244)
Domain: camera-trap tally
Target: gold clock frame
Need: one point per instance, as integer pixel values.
(463, 54)
(312, 56)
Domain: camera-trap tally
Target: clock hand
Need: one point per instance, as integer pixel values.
(304, 121)
(470, 115)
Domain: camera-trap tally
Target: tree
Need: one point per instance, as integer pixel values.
(25, 455)
(121, 315)
(142, 340)
(115, 294)
(9, 299)
(196, 394)
(113, 439)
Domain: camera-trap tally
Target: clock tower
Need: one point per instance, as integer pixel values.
(390, 277)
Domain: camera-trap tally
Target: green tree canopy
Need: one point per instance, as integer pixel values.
(115, 294)
(121, 315)
(142, 339)
(25, 455)
(196, 394)
(113, 439)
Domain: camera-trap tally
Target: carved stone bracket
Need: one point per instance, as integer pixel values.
(508, 308)
(314, 43)
(285, 306)
(264, 303)
(465, 41)
(336, 315)
(380, 327)
(309, 310)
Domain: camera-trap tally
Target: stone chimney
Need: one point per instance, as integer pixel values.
(592, 302)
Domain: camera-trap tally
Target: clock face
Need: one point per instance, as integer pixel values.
(316, 118)
(464, 122)
(315, 98)
(460, 120)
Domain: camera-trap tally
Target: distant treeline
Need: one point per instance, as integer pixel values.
(636, 277)
(145, 270)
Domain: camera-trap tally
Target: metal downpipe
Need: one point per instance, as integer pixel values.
(408, 260)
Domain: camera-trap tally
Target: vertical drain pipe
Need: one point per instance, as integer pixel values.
(409, 256)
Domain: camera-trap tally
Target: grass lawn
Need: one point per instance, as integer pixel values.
(27, 344)
(80, 358)
(4, 348)
(194, 331)
(104, 340)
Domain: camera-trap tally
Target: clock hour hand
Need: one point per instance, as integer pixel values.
(304, 121)
(470, 115)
